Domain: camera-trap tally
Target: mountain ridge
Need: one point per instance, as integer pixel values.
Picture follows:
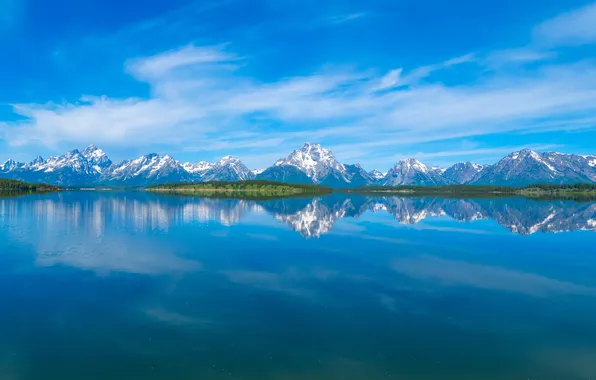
(310, 164)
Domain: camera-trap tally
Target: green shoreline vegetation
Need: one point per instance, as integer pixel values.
(242, 189)
(580, 190)
(258, 188)
(261, 189)
(9, 185)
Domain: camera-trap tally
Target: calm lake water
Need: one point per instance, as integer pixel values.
(142, 286)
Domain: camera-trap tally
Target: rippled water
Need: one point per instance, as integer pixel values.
(141, 286)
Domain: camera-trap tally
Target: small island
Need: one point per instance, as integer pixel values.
(13, 186)
(241, 189)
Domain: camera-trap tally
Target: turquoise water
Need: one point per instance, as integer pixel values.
(141, 286)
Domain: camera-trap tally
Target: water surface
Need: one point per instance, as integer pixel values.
(143, 286)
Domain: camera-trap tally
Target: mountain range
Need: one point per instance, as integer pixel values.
(310, 164)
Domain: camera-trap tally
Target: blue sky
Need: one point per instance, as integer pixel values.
(375, 81)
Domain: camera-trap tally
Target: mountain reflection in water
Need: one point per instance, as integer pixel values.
(311, 217)
(145, 286)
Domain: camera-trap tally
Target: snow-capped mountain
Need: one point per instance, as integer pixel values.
(146, 170)
(528, 167)
(439, 169)
(97, 158)
(412, 172)
(10, 165)
(462, 172)
(309, 164)
(197, 168)
(314, 164)
(71, 168)
(376, 174)
(314, 160)
(227, 169)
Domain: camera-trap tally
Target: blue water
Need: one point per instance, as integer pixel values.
(138, 286)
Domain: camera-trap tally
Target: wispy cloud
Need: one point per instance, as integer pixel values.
(573, 28)
(339, 19)
(478, 152)
(203, 99)
(186, 57)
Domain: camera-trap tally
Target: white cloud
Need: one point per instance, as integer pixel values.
(347, 17)
(573, 28)
(189, 56)
(477, 152)
(518, 56)
(390, 80)
(202, 100)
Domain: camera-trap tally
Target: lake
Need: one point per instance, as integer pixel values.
(131, 285)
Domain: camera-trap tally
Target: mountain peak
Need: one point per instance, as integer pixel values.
(376, 174)
(10, 165)
(524, 153)
(227, 160)
(412, 163)
(199, 167)
(314, 160)
(309, 146)
(37, 160)
(410, 171)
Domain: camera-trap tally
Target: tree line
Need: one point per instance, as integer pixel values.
(13, 185)
(256, 185)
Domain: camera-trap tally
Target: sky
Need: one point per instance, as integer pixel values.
(374, 81)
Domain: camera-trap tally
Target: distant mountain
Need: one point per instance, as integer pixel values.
(97, 158)
(528, 167)
(197, 168)
(439, 169)
(285, 173)
(227, 169)
(376, 175)
(462, 172)
(72, 168)
(357, 176)
(412, 172)
(311, 164)
(314, 164)
(11, 165)
(146, 170)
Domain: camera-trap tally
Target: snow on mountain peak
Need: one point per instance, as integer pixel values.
(97, 158)
(314, 160)
(227, 160)
(199, 167)
(37, 160)
(376, 174)
(228, 168)
(10, 165)
(411, 163)
(93, 152)
(438, 169)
